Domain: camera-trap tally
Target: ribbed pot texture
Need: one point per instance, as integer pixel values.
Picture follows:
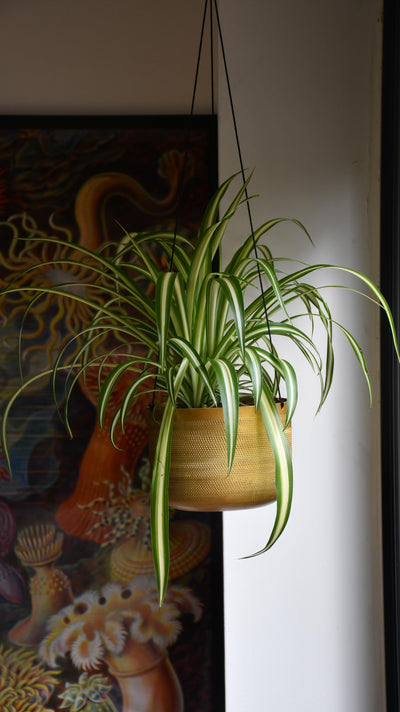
(199, 479)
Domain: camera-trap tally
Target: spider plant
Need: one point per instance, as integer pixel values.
(187, 334)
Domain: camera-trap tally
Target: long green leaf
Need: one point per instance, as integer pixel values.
(159, 491)
(247, 248)
(271, 274)
(378, 294)
(208, 242)
(6, 413)
(286, 370)
(211, 212)
(110, 383)
(93, 262)
(217, 310)
(187, 350)
(233, 293)
(159, 500)
(228, 388)
(152, 270)
(163, 300)
(255, 370)
(283, 467)
(132, 392)
(179, 314)
(360, 357)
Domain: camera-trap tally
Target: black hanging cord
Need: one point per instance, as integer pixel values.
(228, 84)
(213, 3)
(199, 58)
(212, 60)
(185, 159)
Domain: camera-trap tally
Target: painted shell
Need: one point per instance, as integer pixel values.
(189, 544)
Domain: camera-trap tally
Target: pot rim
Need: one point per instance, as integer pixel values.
(206, 413)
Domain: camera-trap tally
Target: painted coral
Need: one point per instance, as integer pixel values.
(124, 628)
(38, 547)
(29, 257)
(25, 684)
(98, 625)
(89, 694)
(122, 513)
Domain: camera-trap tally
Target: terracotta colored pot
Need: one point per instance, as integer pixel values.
(199, 479)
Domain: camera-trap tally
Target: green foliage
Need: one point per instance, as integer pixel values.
(188, 335)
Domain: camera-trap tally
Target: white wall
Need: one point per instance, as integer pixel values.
(101, 56)
(303, 623)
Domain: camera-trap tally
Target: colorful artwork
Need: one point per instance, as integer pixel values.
(80, 625)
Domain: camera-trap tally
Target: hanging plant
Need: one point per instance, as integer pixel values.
(187, 335)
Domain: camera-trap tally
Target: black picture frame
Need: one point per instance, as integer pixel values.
(42, 161)
(390, 375)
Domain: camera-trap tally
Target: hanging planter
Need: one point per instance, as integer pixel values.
(205, 348)
(199, 479)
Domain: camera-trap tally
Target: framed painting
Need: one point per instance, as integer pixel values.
(74, 534)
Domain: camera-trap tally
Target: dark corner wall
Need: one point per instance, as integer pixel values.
(390, 375)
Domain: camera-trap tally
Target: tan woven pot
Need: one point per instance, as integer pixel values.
(199, 480)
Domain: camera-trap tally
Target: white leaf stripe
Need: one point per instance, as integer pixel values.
(360, 357)
(199, 317)
(159, 491)
(200, 267)
(217, 310)
(271, 274)
(255, 370)
(211, 211)
(191, 354)
(286, 370)
(152, 269)
(113, 427)
(213, 316)
(159, 500)
(233, 292)
(76, 375)
(30, 381)
(255, 332)
(211, 235)
(228, 386)
(94, 260)
(248, 245)
(130, 394)
(181, 306)
(109, 385)
(381, 299)
(164, 291)
(120, 319)
(283, 466)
